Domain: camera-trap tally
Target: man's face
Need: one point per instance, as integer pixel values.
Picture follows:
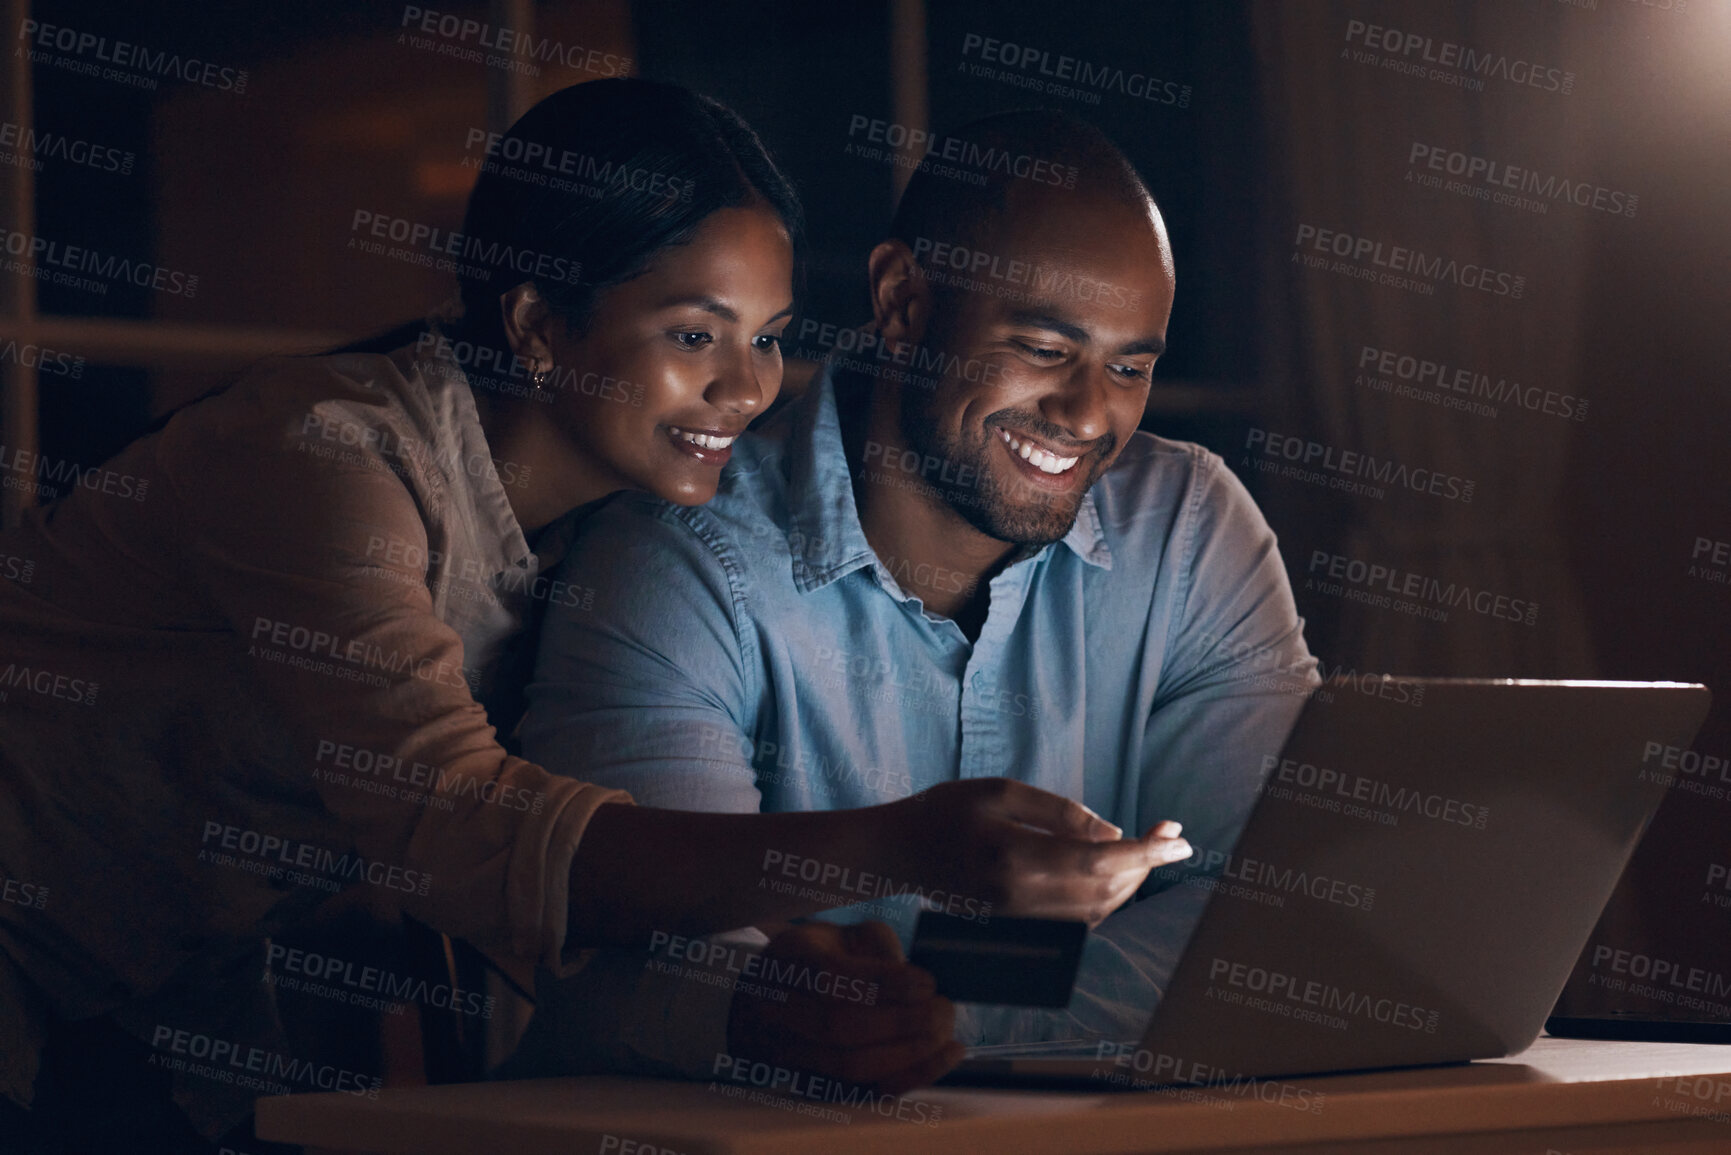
(1046, 375)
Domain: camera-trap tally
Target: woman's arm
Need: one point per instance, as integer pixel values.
(1016, 849)
(307, 501)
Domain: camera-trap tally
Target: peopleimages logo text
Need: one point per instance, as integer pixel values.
(1452, 379)
(976, 159)
(935, 257)
(1497, 175)
(1378, 579)
(1398, 259)
(291, 852)
(464, 30)
(46, 361)
(357, 652)
(1215, 865)
(228, 1058)
(787, 1082)
(1364, 466)
(1073, 70)
(856, 886)
(41, 143)
(1322, 995)
(1463, 58)
(64, 474)
(464, 246)
(724, 959)
(374, 981)
(1693, 979)
(123, 54)
(1160, 1068)
(82, 260)
(48, 684)
(540, 160)
(1398, 799)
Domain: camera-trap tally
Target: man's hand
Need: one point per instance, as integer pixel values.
(1027, 852)
(855, 1010)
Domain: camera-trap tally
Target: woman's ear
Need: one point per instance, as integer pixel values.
(528, 323)
(901, 295)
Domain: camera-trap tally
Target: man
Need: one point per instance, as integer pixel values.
(960, 559)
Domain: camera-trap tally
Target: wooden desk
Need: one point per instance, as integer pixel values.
(1562, 1096)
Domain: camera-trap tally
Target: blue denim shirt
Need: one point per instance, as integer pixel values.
(756, 654)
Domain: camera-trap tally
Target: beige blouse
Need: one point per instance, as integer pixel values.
(241, 669)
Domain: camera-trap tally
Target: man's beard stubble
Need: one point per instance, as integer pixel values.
(1033, 521)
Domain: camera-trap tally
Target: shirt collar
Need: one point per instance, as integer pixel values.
(1087, 538)
(824, 529)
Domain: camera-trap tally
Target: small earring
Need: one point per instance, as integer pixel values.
(538, 379)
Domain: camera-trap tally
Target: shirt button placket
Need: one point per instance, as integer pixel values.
(984, 752)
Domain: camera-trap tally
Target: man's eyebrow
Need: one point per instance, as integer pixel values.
(1043, 319)
(711, 305)
(1039, 318)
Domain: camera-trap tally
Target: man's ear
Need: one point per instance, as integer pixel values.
(901, 295)
(528, 324)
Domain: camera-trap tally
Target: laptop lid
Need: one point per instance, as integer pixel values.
(1423, 867)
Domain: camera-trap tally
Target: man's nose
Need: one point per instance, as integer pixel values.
(1080, 408)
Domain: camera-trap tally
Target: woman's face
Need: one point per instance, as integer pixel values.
(678, 360)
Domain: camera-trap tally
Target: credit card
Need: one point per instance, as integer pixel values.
(1021, 962)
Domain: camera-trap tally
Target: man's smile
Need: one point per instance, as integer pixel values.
(1041, 464)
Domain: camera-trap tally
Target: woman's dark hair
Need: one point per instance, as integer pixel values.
(592, 182)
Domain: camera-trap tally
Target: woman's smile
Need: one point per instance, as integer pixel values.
(710, 446)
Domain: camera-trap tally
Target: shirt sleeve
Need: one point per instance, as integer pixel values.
(1234, 674)
(275, 526)
(647, 691)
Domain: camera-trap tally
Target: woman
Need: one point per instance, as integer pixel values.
(273, 665)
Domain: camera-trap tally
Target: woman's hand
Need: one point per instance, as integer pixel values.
(855, 1010)
(1027, 852)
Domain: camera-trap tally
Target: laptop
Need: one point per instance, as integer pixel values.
(1422, 867)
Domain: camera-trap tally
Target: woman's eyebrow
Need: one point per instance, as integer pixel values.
(711, 305)
(706, 303)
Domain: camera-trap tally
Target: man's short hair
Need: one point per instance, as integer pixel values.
(947, 210)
